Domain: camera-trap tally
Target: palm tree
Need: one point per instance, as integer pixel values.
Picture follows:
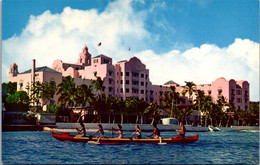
(152, 111)
(67, 91)
(189, 88)
(48, 91)
(142, 105)
(184, 113)
(84, 94)
(206, 107)
(169, 101)
(221, 103)
(200, 98)
(36, 89)
(98, 85)
(119, 106)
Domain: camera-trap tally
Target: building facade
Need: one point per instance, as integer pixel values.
(126, 78)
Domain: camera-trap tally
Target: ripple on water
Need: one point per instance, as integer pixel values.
(211, 148)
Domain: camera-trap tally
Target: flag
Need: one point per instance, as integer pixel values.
(99, 44)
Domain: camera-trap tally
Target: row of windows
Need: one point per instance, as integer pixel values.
(134, 74)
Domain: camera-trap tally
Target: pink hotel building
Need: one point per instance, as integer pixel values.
(125, 78)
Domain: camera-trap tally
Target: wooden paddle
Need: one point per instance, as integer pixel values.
(160, 142)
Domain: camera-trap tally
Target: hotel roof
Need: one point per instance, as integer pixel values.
(101, 55)
(40, 69)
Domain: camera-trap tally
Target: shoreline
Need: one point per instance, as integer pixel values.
(91, 127)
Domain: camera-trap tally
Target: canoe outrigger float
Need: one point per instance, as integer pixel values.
(108, 140)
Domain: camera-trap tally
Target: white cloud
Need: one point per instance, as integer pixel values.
(203, 65)
(48, 37)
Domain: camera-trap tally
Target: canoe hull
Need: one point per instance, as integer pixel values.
(68, 137)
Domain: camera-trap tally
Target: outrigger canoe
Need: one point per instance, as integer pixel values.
(109, 140)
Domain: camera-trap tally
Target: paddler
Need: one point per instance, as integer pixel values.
(182, 131)
(156, 132)
(137, 132)
(100, 131)
(119, 131)
(81, 131)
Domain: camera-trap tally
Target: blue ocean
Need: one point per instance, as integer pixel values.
(211, 148)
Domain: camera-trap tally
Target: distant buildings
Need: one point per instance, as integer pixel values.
(125, 78)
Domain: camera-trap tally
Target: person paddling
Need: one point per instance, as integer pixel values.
(81, 131)
(156, 132)
(182, 131)
(100, 131)
(137, 132)
(119, 131)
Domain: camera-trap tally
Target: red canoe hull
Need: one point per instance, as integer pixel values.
(107, 140)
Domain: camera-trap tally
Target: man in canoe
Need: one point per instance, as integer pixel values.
(119, 130)
(156, 132)
(182, 131)
(81, 131)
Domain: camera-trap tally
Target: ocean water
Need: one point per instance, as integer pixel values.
(211, 148)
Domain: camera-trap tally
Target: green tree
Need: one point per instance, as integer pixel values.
(48, 90)
(98, 85)
(152, 111)
(169, 101)
(222, 103)
(254, 113)
(10, 88)
(35, 95)
(84, 94)
(189, 88)
(118, 106)
(67, 92)
(184, 113)
(19, 97)
(199, 101)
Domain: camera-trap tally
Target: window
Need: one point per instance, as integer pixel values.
(110, 89)
(239, 100)
(239, 92)
(127, 90)
(127, 73)
(142, 91)
(246, 93)
(95, 74)
(127, 81)
(121, 73)
(135, 90)
(142, 75)
(232, 91)
(121, 81)
(121, 90)
(106, 61)
(110, 81)
(209, 92)
(134, 74)
(219, 91)
(110, 72)
(146, 76)
(142, 83)
(21, 86)
(135, 82)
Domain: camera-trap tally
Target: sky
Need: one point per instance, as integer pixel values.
(179, 40)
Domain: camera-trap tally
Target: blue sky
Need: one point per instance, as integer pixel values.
(184, 36)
